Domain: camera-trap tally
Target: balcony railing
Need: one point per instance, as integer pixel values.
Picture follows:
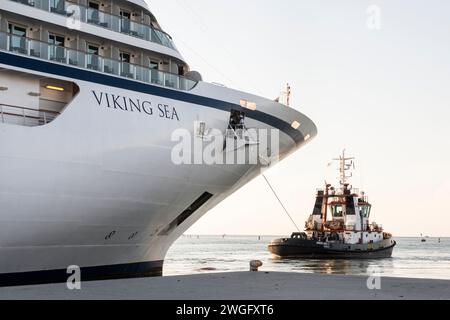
(81, 59)
(102, 19)
(26, 116)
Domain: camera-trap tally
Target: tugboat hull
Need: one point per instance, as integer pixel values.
(311, 249)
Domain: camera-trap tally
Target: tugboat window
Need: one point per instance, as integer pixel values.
(365, 211)
(337, 211)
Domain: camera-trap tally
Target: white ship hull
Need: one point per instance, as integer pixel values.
(95, 187)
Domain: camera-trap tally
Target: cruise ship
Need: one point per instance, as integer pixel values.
(91, 93)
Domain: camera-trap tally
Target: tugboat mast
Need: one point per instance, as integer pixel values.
(345, 165)
(325, 206)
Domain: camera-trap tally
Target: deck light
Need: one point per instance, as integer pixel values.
(55, 88)
(248, 104)
(295, 125)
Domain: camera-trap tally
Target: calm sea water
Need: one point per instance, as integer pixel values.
(411, 258)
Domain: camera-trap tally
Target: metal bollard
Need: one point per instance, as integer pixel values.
(255, 264)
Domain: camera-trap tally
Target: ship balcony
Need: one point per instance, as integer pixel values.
(72, 57)
(32, 100)
(103, 19)
(26, 116)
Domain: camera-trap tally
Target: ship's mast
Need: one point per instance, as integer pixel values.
(345, 165)
(288, 94)
(325, 206)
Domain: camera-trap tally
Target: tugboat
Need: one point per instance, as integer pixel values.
(348, 234)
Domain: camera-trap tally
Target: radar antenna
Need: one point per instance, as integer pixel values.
(345, 166)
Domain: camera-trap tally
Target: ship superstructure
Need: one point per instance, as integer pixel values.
(91, 93)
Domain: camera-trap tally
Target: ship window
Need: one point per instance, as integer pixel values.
(180, 70)
(17, 30)
(337, 211)
(17, 40)
(154, 65)
(94, 5)
(125, 57)
(365, 211)
(56, 40)
(125, 14)
(92, 49)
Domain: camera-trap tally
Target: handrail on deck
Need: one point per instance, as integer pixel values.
(29, 117)
(103, 19)
(73, 57)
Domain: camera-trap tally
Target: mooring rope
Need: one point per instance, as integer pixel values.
(279, 200)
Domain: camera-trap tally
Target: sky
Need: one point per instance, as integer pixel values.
(382, 93)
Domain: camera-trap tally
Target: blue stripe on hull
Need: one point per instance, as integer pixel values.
(107, 80)
(119, 271)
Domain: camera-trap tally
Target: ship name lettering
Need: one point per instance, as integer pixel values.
(123, 103)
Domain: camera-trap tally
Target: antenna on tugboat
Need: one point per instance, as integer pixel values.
(345, 165)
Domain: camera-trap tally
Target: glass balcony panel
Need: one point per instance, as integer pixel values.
(115, 23)
(98, 18)
(75, 58)
(59, 7)
(35, 49)
(46, 51)
(145, 74)
(42, 4)
(93, 62)
(18, 44)
(190, 84)
(57, 54)
(127, 70)
(182, 84)
(157, 77)
(111, 66)
(4, 40)
(102, 19)
(155, 37)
